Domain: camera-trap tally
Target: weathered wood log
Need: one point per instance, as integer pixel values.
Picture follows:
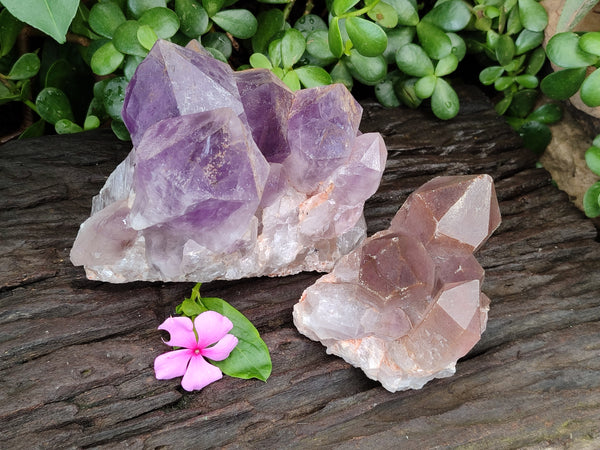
(76, 356)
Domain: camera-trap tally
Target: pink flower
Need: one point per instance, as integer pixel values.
(189, 362)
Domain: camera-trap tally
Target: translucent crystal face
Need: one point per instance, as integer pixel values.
(232, 175)
(413, 291)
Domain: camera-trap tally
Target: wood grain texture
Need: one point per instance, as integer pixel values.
(76, 356)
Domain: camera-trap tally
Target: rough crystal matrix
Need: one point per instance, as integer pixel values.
(406, 304)
(232, 175)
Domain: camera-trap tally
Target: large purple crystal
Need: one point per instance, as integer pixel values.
(231, 175)
(406, 304)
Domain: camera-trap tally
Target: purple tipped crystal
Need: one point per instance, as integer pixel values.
(232, 175)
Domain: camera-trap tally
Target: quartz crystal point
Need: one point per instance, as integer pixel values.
(406, 304)
(232, 175)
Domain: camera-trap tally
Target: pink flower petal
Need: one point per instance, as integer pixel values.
(221, 349)
(211, 327)
(181, 331)
(199, 374)
(172, 364)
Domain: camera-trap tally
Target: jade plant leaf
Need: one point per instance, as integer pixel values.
(113, 96)
(105, 18)
(446, 65)
(523, 102)
(433, 40)
(340, 74)
(527, 81)
(291, 79)
(549, 113)
(241, 23)
(336, 44)
(425, 86)
(562, 84)
(533, 15)
(397, 38)
(407, 12)
(592, 158)
(139, 7)
(444, 101)
(293, 45)
(528, 40)
(53, 105)
(311, 76)
(126, 40)
(405, 91)
(412, 60)
(258, 60)
(590, 89)
(459, 47)
(218, 41)
(384, 90)
(65, 126)
(505, 49)
(450, 15)
(193, 18)
(536, 61)
(339, 7)
(106, 59)
(212, 6)
(269, 23)
(53, 19)
(163, 21)
(308, 23)
(564, 51)
(368, 70)
(368, 38)
(590, 42)
(146, 36)
(384, 15)
(536, 136)
(490, 74)
(27, 66)
(317, 44)
(591, 200)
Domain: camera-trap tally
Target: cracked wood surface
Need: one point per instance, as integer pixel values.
(76, 355)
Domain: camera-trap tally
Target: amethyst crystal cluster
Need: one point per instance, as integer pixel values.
(406, 304)
(232, 175)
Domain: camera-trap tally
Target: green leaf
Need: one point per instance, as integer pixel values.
(368, 38)
(35, 130)
(548, 113)
(275, 53)
(505, 49)
(536, 61)
(523, 102)
(126, 40)
(308, 23)
(336, 44)
(318, 46)
(572, 13)
(513, 23)
(444, 101)
(293, 45)
(311, 76)
(25, 67)
(146, 36)
(270, 23)
(139, 7)
(163, 21)
(53, 105)
(503, 105)
(536, 136)
(397, 38)
(51, 18)
(120, 130)
(425, 86)
(564, 51)
(563, 84)
(528, 40)
(590, 89)
(217, 54)
(91, 123)
(592, 158)
(65, 126)
(407, 12)
(591, 201)
(384, 90)
(490, 74)
(384, 15)
(212, 6)
(193, 18)
(446, 65)
(250, 358)
(113, 96)
(368, 70)
(433, 40)
(533, 15)
(218, 41)
(412, 60)
(258, 60)
(590, 42)
(527, 81)
(450, 15)
(105, 18)
(405, 91)
(341, 74)
(239, 22)
(459, 48)
(339, 7)
(291, 79)
(106, 59)
(10, 27)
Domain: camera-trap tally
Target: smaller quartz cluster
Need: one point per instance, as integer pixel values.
(406, 304)
(232, 175)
